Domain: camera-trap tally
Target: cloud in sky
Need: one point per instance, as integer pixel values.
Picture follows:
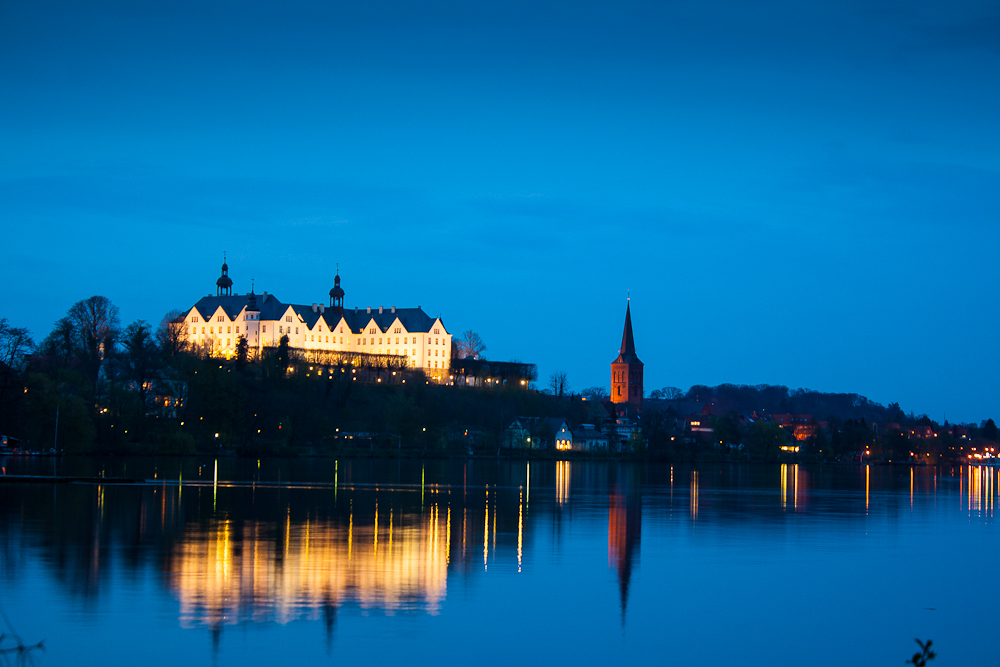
(794, 193)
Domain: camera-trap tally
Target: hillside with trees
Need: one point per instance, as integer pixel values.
(140, 389)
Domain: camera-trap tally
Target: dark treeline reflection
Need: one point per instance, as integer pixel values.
(239, 541)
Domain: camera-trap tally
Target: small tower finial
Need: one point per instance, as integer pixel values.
(337, 293)
(224, 283)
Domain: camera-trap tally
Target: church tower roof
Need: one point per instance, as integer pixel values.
(627, 355)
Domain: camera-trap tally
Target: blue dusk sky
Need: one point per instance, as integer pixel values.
(795, 193)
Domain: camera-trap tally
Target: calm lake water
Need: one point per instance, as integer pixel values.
(488, 563)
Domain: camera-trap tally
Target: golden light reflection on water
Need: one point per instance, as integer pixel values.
(795, 490)
(224, 574)
(868, 478)
(486, 530)
(979, 490)
(562, 482)
(694, 494)
(520, 529)
(784, 485)
(794, 482)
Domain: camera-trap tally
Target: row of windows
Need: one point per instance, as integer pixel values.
(229, 330)
(288, 318)
(328, 340)
(388, 341)
(281, 330)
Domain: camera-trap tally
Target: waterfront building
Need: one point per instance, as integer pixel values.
(215, 324)
(626, 372)
(556, 432)
(802, 427)
(589, 438)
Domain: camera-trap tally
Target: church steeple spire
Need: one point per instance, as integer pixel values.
(626, 370)
(627, 351)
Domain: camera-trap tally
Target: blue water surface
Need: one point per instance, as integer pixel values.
(485, 562)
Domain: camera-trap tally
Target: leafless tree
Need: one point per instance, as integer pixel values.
(559, 384)
(469, 345)
(59, 347)
(95, 321)
(671, 393)
(141, 361)
(15, 344)
(171, 335)
(597, 394)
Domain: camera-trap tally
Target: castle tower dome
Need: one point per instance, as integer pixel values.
(224, 285)
(626, 370)
(337, 295)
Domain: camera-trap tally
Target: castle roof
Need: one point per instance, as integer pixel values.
(413, 319)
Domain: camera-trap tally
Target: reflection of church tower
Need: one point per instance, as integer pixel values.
(626, 370)
(624, 530)
(330, 620)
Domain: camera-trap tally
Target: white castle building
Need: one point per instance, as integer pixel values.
(215, 324)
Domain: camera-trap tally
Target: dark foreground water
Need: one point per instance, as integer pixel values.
(490, 563)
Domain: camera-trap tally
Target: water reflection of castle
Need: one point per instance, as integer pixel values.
(392, 558)
(225, 574)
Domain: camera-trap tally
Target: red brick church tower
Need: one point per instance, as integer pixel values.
(626, 370)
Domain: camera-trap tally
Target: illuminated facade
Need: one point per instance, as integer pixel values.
(626, 370)
(216, 323)
(802, 427)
